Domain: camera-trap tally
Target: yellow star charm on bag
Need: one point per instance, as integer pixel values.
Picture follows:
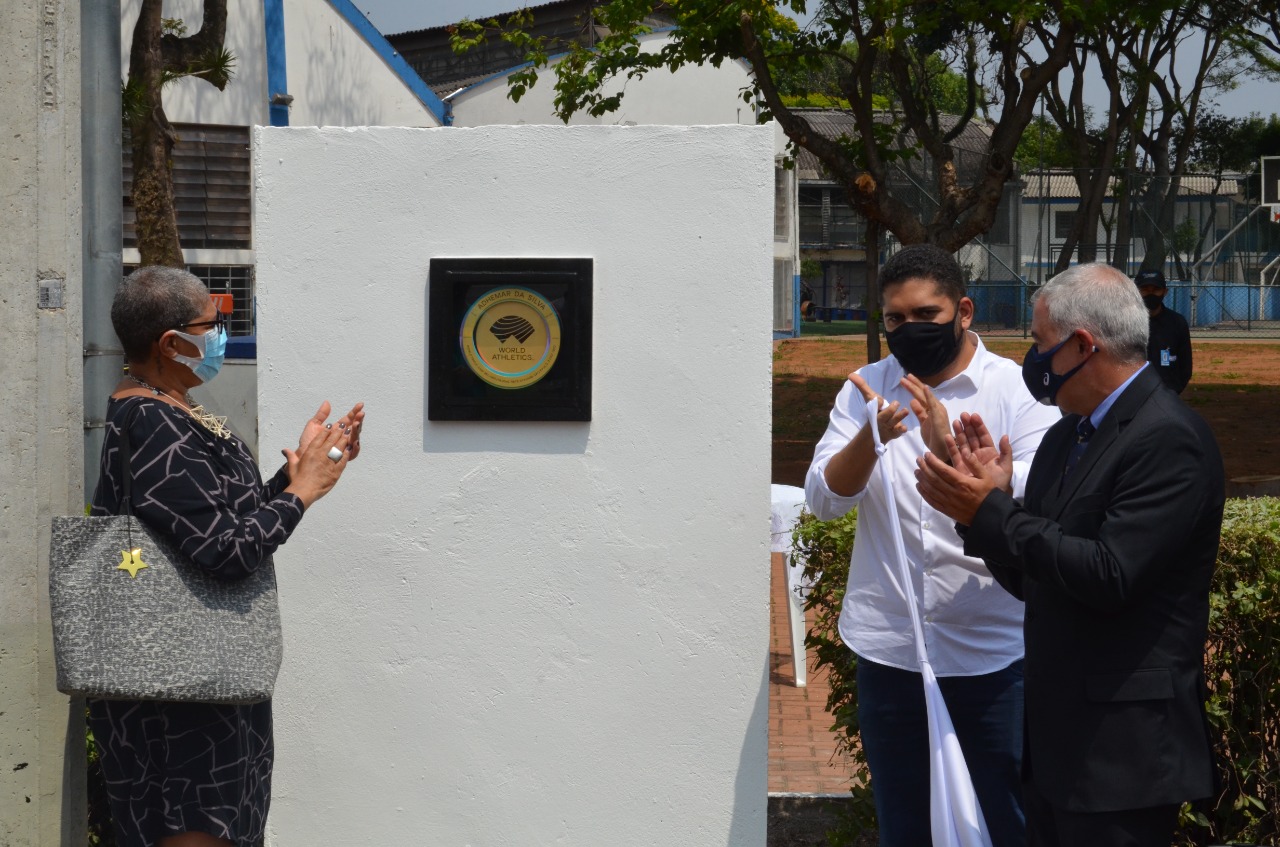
(131, 561)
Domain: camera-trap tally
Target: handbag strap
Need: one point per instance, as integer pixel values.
(126, 469)
(126, 461)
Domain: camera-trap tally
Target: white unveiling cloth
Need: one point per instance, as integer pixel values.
(955, 816)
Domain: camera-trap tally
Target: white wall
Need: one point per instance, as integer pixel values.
(693, 95)
(335, 77)
(244, 102)
(524, 633)
(234, 394)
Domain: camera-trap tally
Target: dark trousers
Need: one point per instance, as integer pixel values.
(1048, 826)
(986, 711)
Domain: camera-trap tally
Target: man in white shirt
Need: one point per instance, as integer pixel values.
(972, 626)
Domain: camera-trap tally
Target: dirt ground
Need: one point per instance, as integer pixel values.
(1235, 385)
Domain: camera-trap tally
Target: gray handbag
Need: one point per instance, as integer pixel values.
(135, 619)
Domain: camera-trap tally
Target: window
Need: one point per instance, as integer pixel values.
(783, 295)
(211, 188)
(1063, 222)
(782, 200)
(236, 280)
(846, 226)
(811, 216)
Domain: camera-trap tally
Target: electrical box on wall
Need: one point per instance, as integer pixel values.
(509, 339)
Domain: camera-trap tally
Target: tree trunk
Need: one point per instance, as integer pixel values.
(151, 137)
(872, 261)
(153, 55)
(157, 219)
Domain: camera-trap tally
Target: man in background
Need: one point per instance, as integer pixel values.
(1169, 339)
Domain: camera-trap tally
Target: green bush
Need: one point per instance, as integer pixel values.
(101, 833)
(1242, 667)
(1244, 679)
(824, 547)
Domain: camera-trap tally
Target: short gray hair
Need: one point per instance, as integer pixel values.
(152, 300)
(1100, 299)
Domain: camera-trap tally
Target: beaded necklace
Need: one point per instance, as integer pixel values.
(214, 423)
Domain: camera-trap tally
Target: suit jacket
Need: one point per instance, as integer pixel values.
(1114, 564)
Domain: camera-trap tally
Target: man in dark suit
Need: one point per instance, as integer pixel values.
(1112, 550)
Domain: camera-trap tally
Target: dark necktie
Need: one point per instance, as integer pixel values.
(1084, 431)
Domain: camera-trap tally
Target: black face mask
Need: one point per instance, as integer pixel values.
(924, 349)
(1038, 375)
(1153, 301)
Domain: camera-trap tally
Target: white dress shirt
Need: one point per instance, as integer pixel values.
(971, 625)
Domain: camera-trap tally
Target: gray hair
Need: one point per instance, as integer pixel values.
(151, 301)
(1100, 299)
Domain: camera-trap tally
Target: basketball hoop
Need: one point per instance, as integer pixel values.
(1270, 172)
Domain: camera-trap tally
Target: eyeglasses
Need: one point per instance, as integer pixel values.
(220, 322)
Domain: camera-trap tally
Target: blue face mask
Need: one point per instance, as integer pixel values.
(213, 348)
(1038, 375)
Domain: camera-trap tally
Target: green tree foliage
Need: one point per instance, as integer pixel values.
(1161, 64)
(914, 77)
(1043, 145)
(1236, 145)
(161, 52)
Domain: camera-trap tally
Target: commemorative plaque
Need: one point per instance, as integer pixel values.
(509, 340)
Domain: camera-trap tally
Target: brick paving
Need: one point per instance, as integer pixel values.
(802, 757)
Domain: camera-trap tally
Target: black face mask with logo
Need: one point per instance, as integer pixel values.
(1038, 375)
(924, 349)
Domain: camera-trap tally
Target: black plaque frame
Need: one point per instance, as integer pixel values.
(455, 393)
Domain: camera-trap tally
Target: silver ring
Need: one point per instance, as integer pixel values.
(335, 453)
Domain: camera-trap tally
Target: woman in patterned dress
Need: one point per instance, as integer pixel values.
(196, 774)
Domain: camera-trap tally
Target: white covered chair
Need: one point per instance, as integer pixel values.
(786, 502)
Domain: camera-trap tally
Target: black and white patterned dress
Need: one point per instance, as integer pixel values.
(190, 767)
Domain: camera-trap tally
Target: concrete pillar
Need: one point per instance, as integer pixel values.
(41, 414)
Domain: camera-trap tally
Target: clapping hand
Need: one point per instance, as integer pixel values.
(977, 468)
(975, 445)
(353, 420)
(932, 415)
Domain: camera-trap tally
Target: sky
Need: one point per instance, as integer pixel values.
(391, 16)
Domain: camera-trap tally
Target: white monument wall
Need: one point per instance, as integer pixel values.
(524, 633)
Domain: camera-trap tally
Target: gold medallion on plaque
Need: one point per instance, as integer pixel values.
(510, 337)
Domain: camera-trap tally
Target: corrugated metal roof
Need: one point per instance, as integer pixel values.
(970, 146)
(448, 87)
(1061, 185)
(561, 24)
(567, 4)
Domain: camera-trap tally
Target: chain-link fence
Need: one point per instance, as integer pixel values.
(1002, 308)
(1217, 247)
(1212, 308)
